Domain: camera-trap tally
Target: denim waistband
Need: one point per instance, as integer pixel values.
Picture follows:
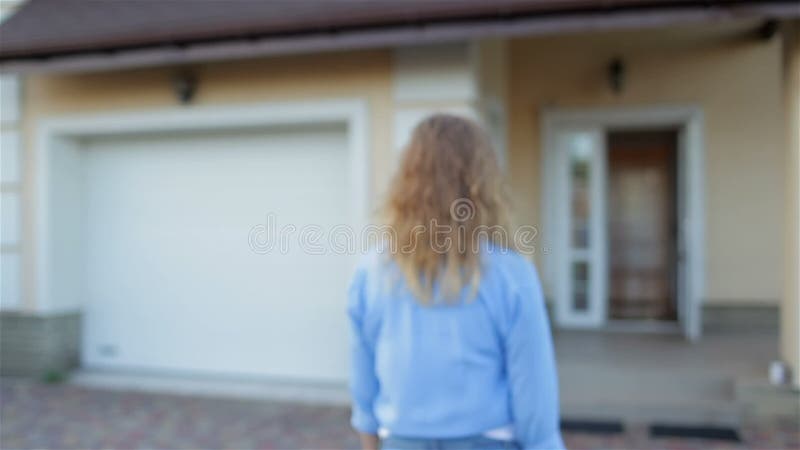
(466, 443)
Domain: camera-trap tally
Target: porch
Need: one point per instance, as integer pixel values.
(656, 377)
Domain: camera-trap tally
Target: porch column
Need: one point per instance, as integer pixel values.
(464, 78)
(790, 308)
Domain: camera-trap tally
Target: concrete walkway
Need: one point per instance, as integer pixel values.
(34, 415)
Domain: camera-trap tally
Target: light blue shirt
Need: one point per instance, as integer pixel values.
(454, 370)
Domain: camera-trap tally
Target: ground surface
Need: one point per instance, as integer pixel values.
(34, 415)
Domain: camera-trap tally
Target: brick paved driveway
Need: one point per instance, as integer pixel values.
(34, 415)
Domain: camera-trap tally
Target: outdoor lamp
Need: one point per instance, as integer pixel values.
(184, 85)
(616, 75)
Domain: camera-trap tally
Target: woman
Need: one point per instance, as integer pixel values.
(451, 344)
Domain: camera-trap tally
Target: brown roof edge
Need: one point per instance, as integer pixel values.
(44, 28)
(397, 36)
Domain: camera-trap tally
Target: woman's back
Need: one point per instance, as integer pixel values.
(456, 369)
(450, 332)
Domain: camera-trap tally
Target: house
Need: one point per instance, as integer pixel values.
(150, 150)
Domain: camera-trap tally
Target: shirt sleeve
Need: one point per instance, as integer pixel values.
(363, 382)
(530, 364)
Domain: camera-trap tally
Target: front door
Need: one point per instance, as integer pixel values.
(619, 211)
(642, 225)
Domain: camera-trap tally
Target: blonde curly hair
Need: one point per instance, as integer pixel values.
(449, 188)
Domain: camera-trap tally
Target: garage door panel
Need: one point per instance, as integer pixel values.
(171, 280)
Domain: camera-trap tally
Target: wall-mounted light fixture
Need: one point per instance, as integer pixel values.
(768, 29)
(616, 75)
(184, 84)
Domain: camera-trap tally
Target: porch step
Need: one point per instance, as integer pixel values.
(644, 395)
(717, 415)
(764, 401)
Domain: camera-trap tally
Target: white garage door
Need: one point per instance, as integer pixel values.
(172, 281)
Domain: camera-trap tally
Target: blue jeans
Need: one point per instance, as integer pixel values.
(467, 443)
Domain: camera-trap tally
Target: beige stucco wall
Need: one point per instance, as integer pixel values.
(734, 78)
(365, 75)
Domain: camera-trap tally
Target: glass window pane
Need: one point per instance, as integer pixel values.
(9, 280)
(580, 164)
(580, 286)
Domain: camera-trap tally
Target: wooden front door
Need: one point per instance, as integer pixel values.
(642, 224)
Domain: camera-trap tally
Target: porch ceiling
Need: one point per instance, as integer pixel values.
(75, 35)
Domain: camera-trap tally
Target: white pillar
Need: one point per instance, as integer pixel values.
(465, 78)
(790, 308)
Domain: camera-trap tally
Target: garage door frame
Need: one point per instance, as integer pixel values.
(58, 210)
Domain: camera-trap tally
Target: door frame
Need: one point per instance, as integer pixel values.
(57, 218)
(691, 202)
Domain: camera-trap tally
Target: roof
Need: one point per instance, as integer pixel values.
(55, 28)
